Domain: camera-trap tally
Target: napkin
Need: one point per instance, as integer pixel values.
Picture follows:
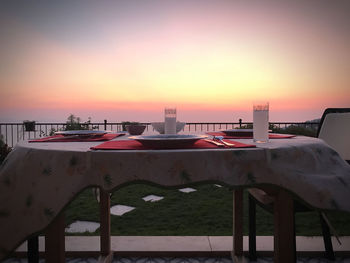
(271, 136)
(61, 138)
(135, 145)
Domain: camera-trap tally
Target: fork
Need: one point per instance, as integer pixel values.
(221, 139)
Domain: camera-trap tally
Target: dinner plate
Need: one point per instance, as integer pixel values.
(168, 141)
(239, 132)
(81, 133)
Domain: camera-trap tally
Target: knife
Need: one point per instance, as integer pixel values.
(215, 142)
(63, 137)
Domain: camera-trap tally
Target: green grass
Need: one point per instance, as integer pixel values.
(208, 211)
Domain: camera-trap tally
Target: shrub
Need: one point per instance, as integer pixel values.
(73, 123)
(4, 150)
(295, 129)
(125, 123)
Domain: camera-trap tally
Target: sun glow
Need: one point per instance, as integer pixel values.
(213, 57)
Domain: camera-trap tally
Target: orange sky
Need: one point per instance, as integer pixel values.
(121, 60)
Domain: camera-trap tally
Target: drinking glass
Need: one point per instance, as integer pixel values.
(261, 122)
(170, 121)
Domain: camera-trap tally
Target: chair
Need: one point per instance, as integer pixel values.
(334, 129)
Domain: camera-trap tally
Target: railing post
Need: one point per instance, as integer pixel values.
(105, 123)
(240, 123)
(12, 134)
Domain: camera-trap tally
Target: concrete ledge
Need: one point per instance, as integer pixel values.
(185, 246)
(161, 243)
(265, 243)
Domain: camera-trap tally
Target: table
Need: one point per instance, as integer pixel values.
(37, 180)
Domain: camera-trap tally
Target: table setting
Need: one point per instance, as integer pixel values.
(79, 136)
(170, 142)
(168, 138)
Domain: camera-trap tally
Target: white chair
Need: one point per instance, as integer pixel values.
(334, 129)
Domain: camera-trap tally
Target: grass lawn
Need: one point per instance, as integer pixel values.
(208, 211)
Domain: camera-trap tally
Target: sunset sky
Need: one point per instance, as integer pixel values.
(127, 60)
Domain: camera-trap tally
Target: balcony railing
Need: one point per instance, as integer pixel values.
(12, 133)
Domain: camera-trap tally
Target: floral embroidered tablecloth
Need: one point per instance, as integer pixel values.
(38, 179)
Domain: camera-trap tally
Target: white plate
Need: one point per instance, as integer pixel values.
(239, 132)
(81, 133)
(168, 141)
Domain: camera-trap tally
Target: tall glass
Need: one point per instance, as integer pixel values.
(170, 121)
(261, 122)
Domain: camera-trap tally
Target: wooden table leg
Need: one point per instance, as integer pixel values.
(238, 223)
(105, 227)
(284, 245)
(33, 249)
(54, 241)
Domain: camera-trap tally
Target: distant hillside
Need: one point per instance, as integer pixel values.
(308, 128)
(315, 120)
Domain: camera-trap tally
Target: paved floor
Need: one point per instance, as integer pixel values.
(182, 260)
(185, 244)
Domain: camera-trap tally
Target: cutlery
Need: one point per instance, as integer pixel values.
(64, 137)
(215, 142)
(221, 139)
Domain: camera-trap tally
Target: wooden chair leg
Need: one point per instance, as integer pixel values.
(238, 223)
(284, 250)
(327, 239)
(252, 229)
(33, 250)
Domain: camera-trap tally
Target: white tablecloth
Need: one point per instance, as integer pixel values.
(39, 179)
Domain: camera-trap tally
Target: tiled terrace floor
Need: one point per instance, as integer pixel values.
(128, 244)
(183, 260)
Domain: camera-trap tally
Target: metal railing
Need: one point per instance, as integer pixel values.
(11, 133)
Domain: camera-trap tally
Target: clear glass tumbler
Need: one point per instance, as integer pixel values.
(261, 122)
(170, 121)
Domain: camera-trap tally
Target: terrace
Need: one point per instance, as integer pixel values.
(155, 248)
